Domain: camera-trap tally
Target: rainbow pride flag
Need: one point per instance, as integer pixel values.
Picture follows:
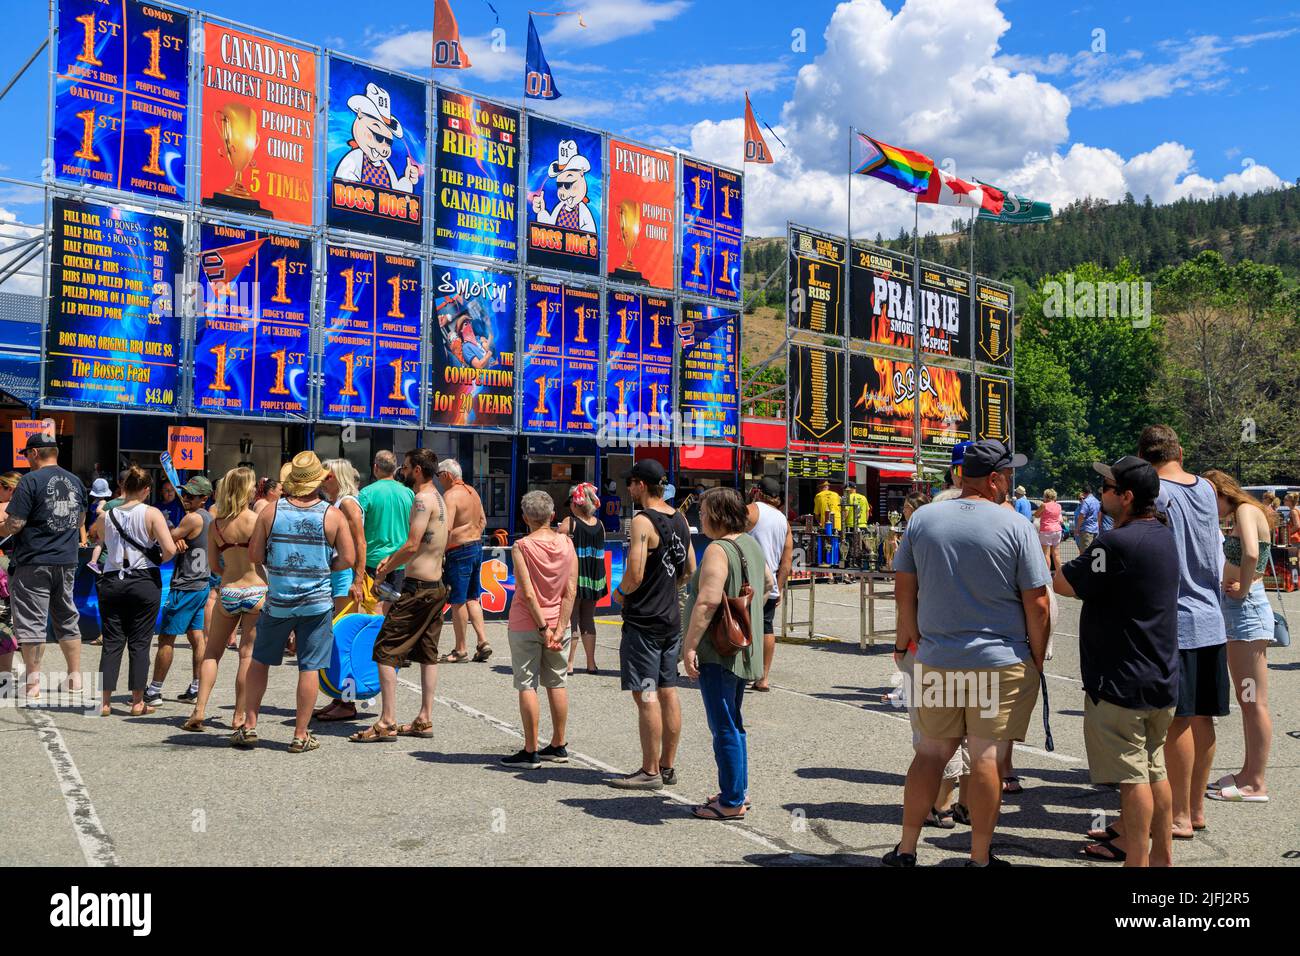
(904, 168)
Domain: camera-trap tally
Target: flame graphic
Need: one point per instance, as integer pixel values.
(881, 333)
(945, 404)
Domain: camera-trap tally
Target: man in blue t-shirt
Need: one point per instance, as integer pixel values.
(1086, 518)
(1023, 507)
(1128, 657)
(971, 590)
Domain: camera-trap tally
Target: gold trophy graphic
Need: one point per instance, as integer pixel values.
(629, 227)
(237, 126)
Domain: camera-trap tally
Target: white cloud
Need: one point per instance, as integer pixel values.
(414, 51)
(718, 82)
(930, 78)
(608, 20)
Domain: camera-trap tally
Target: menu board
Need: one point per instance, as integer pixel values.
(993, 403)
(816, 285)
(815, 467)
(816, 395)
(472, 359)
(113, 335)
(881, 393)
(370, 368)
(638, 367)
(121, 97)
(253, 347)
(713, 230)
(993, 336)
(475, 190)
(561, 359)
(709, 374)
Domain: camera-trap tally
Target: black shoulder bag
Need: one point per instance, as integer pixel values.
(153, 552)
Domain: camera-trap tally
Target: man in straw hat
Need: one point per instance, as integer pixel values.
(299, 540)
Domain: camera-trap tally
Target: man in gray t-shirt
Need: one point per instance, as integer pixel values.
(971, 589)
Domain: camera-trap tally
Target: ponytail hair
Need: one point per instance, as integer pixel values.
(136, 479)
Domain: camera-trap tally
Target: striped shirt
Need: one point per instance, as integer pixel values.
(298, 561)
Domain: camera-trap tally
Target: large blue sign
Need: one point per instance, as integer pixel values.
(638, 367)
(566, 198)
(710, 373)
(472, 359)
(561, 364)
(375, 151)
(121, 96)
(113, 336)
(475, 191)
(713, 231)
(252, 353)
(370, 369)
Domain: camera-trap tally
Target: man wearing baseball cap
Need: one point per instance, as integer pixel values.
(971, 590)
(954, 473)
(611, 509)
(45, 518)
(187, 595)
(1128, 656)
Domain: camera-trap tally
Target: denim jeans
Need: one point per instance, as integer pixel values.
(722, 693)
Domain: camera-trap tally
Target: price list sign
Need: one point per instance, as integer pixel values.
(370, 367)
(561, 368)
(113, 336)
(817, 395)
(254, 327)
(638, 366)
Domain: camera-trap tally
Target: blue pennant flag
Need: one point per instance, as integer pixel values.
(539, 84)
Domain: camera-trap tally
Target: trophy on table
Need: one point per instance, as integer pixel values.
(237, 126)
(629, 227)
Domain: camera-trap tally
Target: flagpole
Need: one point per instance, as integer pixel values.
(916, 339)
(975, 423)
(844, 286)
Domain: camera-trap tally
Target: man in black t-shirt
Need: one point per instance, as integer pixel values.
(659, 561)
(45, 517)
(1128, 656)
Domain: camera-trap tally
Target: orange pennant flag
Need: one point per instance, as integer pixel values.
(448, 54)
(756, 150)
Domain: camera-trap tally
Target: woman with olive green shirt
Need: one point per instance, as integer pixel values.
(722, 678)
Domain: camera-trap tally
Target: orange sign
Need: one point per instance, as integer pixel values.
(185, 443)
(257, 125)
(642, 203)
(23, 430)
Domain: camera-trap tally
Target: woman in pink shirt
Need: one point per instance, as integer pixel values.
(1049, 528)
(546, 583)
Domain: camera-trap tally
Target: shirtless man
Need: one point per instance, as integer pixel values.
(412, 627)
(464, 561)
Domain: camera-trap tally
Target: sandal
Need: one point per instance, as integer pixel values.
(194, 724)
(940, 818)
(761, 690)
(106, 711)
(592, 670)
(1105, 851)
(455, 657)
(377, 733)
(1106, 835)
(717, 797)
(708, 811)
(1012, 785)
(417, 728)
(482, 652)
(961, 814)
(144, 711)
(302, 745)
(243, 738)
(334, 712)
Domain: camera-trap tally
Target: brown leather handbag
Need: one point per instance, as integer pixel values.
(730, 627)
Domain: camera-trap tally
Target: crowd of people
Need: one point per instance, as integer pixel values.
(1174, 615)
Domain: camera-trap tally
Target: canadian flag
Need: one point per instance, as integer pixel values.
(948, 190)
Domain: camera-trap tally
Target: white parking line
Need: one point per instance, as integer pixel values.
(96, 845)
(744, 830)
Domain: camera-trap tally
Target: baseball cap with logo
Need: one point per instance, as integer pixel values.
(771, 487)
(197, 487)
(1133, 474)
(984, 457)
(959, 453)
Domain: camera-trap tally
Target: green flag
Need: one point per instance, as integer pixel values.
(1018, 209)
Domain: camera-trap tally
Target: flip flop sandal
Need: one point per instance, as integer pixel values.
(416, 728)
(375, 734)
(941, 819)
(302, 745)
(482, 653)
(761, 690)
(718, 796)
(1110, 833)
(1233, 794)
(106, 711)
(145, 711)
(194, 724)
(243, 738)
(455, 657)
(325, 718)
(1113, 853)
(707, 811)
(1012, 785)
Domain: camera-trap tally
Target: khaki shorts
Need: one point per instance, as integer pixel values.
(1123, 745)
(958, 765)
(533, 663)
(987, 703)
(414, 623)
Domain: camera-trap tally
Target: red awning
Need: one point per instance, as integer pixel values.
(706, 458)
(763, 433)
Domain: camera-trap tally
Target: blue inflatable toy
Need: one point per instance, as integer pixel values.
(352, 673)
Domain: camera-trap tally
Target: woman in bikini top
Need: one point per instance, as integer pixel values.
(233, 535)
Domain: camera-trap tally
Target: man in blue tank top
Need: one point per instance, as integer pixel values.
(299, 540)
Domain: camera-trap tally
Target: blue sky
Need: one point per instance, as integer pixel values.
(1024, 92)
